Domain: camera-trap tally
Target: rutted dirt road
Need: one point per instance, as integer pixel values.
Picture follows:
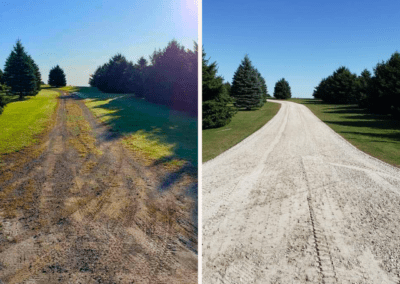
(80, 208)
(296, 203)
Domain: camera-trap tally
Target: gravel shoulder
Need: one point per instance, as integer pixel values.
(83, 209)
(296, 203)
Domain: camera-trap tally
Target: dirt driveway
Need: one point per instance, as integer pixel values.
(80, 208)
(296, 203)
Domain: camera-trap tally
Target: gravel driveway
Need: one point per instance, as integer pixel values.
(296, 203)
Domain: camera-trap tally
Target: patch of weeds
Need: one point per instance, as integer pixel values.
(149, 145)
(81, 133)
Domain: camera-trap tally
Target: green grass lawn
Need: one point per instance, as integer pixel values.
(152, 130)
(243, 124)
(22, 121)
(376, 135)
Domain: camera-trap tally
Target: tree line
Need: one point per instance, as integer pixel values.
(21, 76)
(379, 93)
(248, 91)
(170, 78)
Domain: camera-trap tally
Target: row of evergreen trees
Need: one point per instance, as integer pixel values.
(21, 76)
(221, 100)
(379, 93)
(171, 77)
(248, 92)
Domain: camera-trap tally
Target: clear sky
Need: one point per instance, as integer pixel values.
(302, 41)
(81, 35)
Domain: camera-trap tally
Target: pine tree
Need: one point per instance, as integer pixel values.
(57, 77)
(246, 86)
(216, 99)
(19, 73)
(282, 90)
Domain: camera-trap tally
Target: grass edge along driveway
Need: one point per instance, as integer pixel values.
(376, 135)
(242, 125)
(23, 121)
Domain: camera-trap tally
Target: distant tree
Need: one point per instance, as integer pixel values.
(19, 73)
(339, 88)
(320, 90)
(282, 90)
(228, 88)
(216, 110)
(246, 86)
(57, 77)
(142, 63)
(171, 79)
(363, 85)
(4, 97)
(1, 78)
(384, 92)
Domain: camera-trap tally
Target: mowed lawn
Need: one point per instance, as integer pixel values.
(22, 121)
(376, 135)
(243, 124)
(155, 131)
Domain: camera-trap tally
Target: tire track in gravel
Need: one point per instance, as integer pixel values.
(299, 204)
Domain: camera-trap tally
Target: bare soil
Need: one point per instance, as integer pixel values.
(296, 203)
(80, 208)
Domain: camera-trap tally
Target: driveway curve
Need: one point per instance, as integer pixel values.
(296, 203)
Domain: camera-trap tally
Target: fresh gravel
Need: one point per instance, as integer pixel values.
(296, 203)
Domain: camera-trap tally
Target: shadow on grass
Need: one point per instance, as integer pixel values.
(394, 136)
(126, 114)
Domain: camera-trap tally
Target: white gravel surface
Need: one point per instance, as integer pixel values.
(296, 203)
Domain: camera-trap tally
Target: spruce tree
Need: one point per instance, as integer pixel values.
(263, 87)
(19, 73)
(37, 74)
(282, 90)
(57, 77)
(216, 109)
(246, 86)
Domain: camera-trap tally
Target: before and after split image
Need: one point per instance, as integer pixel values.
(204, 141)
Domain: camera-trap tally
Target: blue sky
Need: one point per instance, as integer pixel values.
(302, 41)
(81, 35)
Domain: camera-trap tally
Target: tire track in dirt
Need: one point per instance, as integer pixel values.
(91, 213)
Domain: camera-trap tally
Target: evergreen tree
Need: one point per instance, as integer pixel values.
(263, 87)
(19, 73)
(4, 97)
(37, 74)
(246, 86)
(363, 83)
(1, 78)
(228, 88)
(384, 92)
(57, 77)
(339, 88)
(216, 99)
(282, 90)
